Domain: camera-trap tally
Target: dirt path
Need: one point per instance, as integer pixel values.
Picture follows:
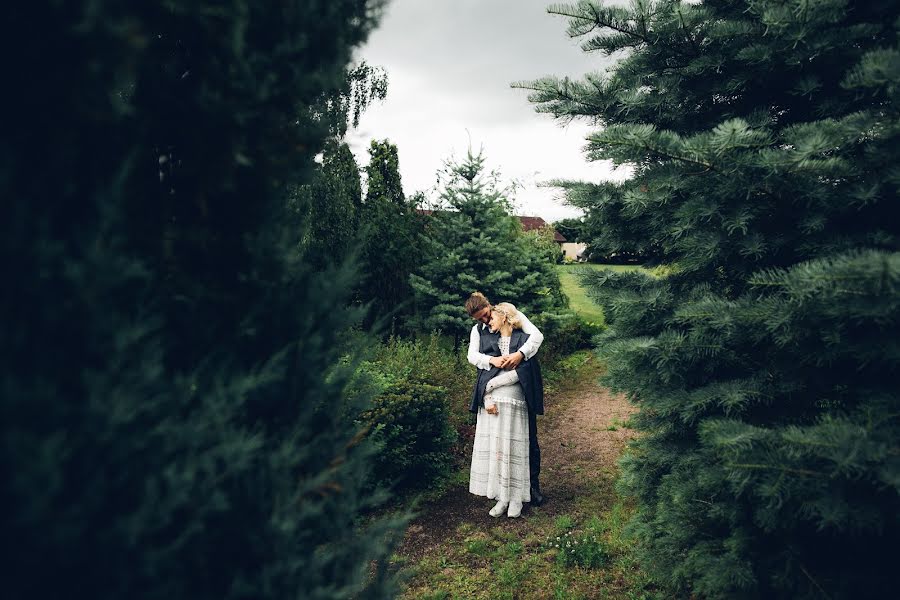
(581, 437)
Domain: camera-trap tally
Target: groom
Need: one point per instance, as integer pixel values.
(479, 309)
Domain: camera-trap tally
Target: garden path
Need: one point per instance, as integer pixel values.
(582, 435)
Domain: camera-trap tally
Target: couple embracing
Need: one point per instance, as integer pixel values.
(508, 396)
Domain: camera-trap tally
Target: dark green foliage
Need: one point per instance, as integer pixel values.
(389, 240)
(422, 395)
(333, 204)
(475, 244)
(361, 85)
(409, 423)
(763, 135)
(430, 361)
(174, 417)
(384, 174)
(426, 359)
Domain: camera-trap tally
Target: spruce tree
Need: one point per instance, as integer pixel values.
(175, 422)
(474, 243)
(763, 137)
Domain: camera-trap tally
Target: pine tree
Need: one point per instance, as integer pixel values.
(389, 236)
(175, 422)
(763, 135)
(475, 244)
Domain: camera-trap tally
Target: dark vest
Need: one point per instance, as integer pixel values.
(529, 371)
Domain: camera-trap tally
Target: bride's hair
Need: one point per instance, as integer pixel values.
(511, 313)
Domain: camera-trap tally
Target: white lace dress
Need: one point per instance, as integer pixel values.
(500, 455)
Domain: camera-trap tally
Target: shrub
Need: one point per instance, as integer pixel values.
(430, 360)
(410, 425)
(564, 334)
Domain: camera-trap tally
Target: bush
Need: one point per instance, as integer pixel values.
(420, 417)
(428, 360)
(564, 334)
(409, 423)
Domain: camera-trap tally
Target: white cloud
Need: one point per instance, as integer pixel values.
(450, 64)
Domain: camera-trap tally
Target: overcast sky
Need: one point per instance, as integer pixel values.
(450, 64)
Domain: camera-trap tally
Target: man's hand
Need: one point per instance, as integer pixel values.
(513, 360)
(498, 361)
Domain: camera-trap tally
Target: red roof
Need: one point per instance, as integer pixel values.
(531, 223)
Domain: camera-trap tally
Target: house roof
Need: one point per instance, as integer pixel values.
(528, 224)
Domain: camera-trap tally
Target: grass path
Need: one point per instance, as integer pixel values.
(578, 298)
(454, 549)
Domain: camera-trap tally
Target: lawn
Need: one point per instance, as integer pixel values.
(578, 299)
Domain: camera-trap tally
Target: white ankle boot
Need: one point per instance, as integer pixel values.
(499, 509)
(515, 509)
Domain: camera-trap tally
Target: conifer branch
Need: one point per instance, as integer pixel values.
(761, 467)
(560, 96)
(597, 21)
(669, 155)
(684, 28)
(814, 582)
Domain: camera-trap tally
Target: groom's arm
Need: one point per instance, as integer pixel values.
(535, 338)
(482, 361)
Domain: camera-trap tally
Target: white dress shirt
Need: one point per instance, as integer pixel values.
(529, 348)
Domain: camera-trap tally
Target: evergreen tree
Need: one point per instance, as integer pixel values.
(475, 244)
(174, 416)
(763, 135)
(389, 237)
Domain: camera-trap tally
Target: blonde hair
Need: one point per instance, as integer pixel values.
(510, 313)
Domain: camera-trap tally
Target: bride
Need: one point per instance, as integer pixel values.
(500, 455)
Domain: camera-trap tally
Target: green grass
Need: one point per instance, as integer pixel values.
(578, 298)
(497, 563)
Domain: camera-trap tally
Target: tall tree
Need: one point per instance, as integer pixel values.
(474, 243)
(333, 203)
(174, 417)
(383, 173)
(332, 198)
(763, 135)
(389, 239)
